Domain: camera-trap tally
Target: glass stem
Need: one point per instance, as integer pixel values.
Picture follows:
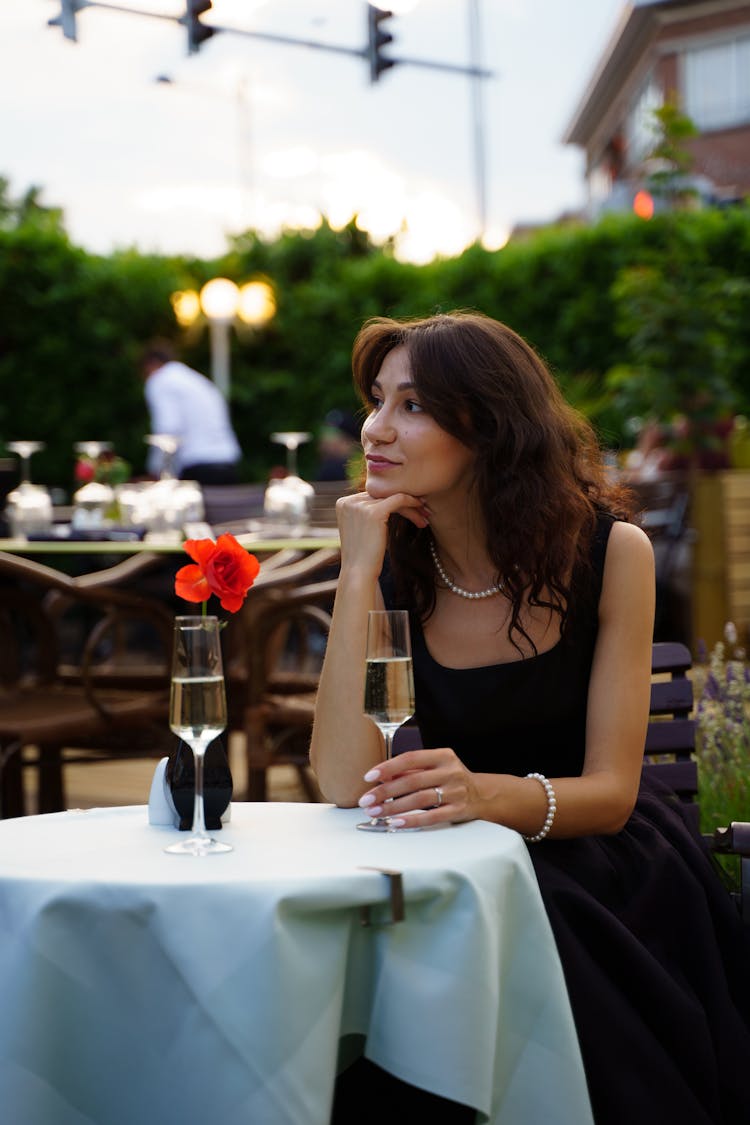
(291, 460)
(199, 819)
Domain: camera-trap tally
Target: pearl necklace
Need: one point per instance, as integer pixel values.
(454, 589)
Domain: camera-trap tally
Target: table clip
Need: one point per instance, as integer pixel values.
(396, 884)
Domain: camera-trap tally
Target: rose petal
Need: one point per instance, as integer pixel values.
(201, 551)
(191, 585)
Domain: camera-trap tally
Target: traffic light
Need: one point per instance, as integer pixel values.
(197, 32)
(377, 38)
(67, 18)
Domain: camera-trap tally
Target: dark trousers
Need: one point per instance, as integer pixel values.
(224, 472)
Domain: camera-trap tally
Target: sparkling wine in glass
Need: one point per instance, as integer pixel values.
(197, 712)
(389, 682)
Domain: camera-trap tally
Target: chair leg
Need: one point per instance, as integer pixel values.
(12, 801)
(257, 785)
(255, 753)
(50, 771)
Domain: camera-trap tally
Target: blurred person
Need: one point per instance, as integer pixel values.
(650, 457)
(187, 405)
(339, 442)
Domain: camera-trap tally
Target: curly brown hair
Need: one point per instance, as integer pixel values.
(540, 476)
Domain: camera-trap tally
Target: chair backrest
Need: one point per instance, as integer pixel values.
(670, 738)
(327, 492)
(230, 503)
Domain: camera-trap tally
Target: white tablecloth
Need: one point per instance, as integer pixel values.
(140, 988)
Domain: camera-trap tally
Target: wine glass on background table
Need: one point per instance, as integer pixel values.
(288, 500)
(28, 506)
(389, 683)
(93, 502)
(197, 712)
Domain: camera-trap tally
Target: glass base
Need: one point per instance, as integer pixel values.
(198, 845)
(381, 825)
(378, 825)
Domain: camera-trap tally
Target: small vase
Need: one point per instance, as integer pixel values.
(217, 783)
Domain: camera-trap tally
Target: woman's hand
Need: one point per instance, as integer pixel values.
(436, 782)
(363, 525)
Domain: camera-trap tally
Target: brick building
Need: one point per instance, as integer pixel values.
(695, 53)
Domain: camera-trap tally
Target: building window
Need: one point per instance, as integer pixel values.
(717, 84)
(641, 128)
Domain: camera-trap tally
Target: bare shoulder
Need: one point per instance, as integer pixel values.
(628, 571)
(629, 542)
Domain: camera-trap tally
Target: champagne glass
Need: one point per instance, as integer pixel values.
(389, 682)
(197, 712)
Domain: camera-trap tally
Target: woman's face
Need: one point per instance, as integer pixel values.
(405, 449)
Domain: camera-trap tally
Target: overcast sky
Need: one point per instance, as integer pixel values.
(253, 134)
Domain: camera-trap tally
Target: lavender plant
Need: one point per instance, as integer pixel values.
(723, 733)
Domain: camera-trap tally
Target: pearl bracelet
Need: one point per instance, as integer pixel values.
(551, 807)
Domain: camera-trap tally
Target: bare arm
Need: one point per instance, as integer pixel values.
(345, 744)
(601, 800)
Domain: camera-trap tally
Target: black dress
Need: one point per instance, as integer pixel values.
(654, 957)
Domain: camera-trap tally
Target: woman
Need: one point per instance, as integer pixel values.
(488, 513)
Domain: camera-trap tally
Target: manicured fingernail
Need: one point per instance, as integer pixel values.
(368, 799)
(372, 775)
(393, 821)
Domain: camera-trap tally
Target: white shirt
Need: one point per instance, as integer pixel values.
(186, 404)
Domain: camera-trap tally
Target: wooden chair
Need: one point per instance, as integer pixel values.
(100, 706)
(273, 654)
(670, 752)
(291, 636)
(326, 493)
(670, 737)
(227, 505)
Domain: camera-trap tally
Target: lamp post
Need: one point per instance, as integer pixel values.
(222, 302)
(219, 300)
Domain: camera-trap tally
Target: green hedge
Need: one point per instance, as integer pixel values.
(72, 323)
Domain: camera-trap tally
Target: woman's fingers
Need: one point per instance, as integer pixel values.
(417, 780)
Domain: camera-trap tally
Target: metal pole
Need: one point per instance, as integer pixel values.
(480, 164)
(220, 370)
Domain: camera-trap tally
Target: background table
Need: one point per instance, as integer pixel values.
(143, 987)
(261, 544)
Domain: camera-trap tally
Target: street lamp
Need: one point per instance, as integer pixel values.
(222, 302)
(219, 299)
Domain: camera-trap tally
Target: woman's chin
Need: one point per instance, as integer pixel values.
(378, 489)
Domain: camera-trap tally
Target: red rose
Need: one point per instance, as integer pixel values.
(84, 471)
(223, 568)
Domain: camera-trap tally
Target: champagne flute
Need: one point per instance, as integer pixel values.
(197, 712)
(389, 683)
